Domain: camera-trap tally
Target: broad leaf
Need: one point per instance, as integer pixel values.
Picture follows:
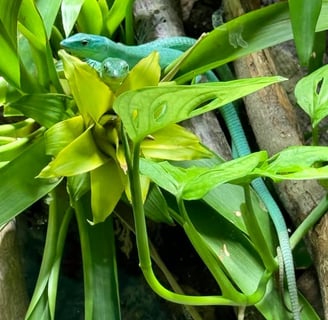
(312, 94)
(195, 182)
(147, 110)
(99, 264)
(297, 163)
(156, 207)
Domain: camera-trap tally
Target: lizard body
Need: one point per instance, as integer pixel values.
(99, 48)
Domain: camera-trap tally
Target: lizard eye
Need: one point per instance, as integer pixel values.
(84, 42)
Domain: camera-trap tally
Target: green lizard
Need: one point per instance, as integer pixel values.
(111, 70)
(99, 48)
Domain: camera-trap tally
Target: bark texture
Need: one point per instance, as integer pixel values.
(162, 19)
(13, 295)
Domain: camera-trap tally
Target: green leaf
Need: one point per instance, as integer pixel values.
(248, 33)
(231, 248)
(104, 269)
(78, 186)
(312, 94)
(116, 14)
(92, 96)
(9, 65)
(301, 163)
(42, 305)
(70, 10)
(173, 143)
(99, 264)
(54, 107)
(48, 11)
(80, 156)
(297, 163)
(304, 16)
(90, 19)
(11, 148)
(235, 253)
(147, 110)
(62, 134)
(136, 78)
(8, 17)
(19, 188)
(17, 129)
(195, 182)
(107, 185)
(156, 207)
(32, 27)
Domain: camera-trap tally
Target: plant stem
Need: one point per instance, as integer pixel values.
(315, 135)
(309, 222)
(81, 218)
(144, 251)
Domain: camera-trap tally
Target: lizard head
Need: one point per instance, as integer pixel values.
(84, 45)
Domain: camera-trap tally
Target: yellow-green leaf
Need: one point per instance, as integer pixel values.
(107, 184)
(173, 143)
(146, 72)
(90, 19)
(82, 155)
(93, 97)
(63, 133)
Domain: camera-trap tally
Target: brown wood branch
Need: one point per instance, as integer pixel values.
(13, 294)
(162, 19)
(275, 127)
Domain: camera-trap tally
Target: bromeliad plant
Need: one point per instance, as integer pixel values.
(87, 146)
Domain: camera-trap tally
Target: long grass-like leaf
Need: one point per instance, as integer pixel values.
(19, 187)
(49, 11)
(70, 11)
(116, 14)
(248, 33)
(54, 107)
(32, 27)
(90, 19)
(304, 15)
(99, 264)
(39, 305)
(9, 63)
